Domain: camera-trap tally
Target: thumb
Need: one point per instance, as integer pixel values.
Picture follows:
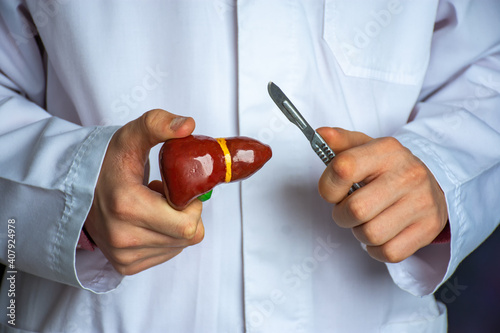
(152, 128)
(157, 126)
(340, 139)
(132, 143)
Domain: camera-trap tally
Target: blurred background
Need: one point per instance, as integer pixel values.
(472, 294)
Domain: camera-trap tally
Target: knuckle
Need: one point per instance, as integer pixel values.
(357, 209)
(121, 206)
(123, 261)
(434, 226)
(372, 234)
(188, 229)
(151, 118)
(417, 173)
(391, 255)
(391, 143)
(343, 166)
(153, 123)
(120, 137)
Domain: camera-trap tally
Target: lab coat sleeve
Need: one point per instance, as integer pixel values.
(455, 131)
(48, 168)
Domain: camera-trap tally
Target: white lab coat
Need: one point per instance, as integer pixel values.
(272, 259)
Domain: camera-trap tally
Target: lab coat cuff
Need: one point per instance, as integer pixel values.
(426, 270)
(92, 271)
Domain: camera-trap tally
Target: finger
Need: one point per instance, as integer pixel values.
(387, 225)
(129, 257)
(358, 164)
(340, 139)
(131, 237)
(160, 217)
(139, 206)
(123, 253)
(405, 244)
(337, 179)
(368, 202)
(341, 173)
(142, 265)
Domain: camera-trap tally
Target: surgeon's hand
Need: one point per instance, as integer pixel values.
(131, 223)
(400, 209)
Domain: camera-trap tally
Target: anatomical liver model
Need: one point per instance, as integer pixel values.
(193, 165)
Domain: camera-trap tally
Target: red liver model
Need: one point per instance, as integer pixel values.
(193, 165)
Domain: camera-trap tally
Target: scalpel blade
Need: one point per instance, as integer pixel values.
(289, 110)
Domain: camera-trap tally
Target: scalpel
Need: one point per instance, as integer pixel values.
(318, 144)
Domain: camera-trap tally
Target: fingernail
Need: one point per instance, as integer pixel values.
(176, 123)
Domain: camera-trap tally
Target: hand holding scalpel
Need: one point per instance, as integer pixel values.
(318, 144)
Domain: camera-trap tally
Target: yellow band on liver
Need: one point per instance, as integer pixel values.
(227, 157)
